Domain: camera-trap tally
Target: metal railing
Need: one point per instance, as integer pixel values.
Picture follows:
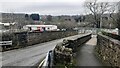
(47, 62)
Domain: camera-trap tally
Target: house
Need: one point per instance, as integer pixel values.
(6, 25)
(40, 27)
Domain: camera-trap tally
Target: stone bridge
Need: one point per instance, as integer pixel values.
(100, 50)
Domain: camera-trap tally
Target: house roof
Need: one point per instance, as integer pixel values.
(40, 25)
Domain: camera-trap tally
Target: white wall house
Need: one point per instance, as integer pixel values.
(40, 27)
(7, 24)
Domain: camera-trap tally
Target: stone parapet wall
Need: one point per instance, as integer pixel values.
(37, 37)
(108, 50)
(23, 39)
(64, 51)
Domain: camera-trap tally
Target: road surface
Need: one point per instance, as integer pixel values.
(29, 56)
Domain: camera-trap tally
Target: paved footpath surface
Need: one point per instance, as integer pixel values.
(85, 55)
(29, 56)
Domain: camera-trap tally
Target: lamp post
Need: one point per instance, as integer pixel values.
(101, 22)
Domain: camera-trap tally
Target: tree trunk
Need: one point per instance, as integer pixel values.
(119, 32)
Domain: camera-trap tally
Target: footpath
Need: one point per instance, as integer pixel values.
(85, 55)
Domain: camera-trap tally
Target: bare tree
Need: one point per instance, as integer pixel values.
(118, 19)
(97, 9)
(118, 22)
(116, 16)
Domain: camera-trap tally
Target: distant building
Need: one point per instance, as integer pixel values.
(40, 27)
(6, 25)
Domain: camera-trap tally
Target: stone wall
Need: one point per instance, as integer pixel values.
(114, 36)
(63, 52)
(48, 36)
(108, 50)
(23, 39)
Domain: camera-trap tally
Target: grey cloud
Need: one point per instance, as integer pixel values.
(45, 8)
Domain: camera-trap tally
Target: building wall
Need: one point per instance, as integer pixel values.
(40, 27)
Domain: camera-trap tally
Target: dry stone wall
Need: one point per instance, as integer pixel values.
(23, 39)
(108, 50)
(63, 52)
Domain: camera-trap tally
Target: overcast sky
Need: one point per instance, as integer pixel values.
(43, 7)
